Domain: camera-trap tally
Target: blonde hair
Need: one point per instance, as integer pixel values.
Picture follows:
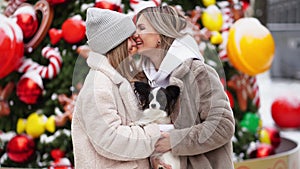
(166, 21)
(118, 58)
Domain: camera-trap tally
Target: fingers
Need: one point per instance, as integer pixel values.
(165, 134)
(158, 164)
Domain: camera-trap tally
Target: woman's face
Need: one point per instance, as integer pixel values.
(147, 38)
(132, 48)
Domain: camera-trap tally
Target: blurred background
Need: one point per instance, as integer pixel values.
(254, 45)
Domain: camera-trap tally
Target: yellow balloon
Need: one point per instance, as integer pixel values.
(250, 46)
(50, 124)
(21, 125)
(35, 125)
(206, 3)
(212, 18)
(216, 38)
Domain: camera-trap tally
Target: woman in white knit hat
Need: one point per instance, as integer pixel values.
(106, 103)
(204, 126)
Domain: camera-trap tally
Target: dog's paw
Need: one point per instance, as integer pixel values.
(160, 167)
(138, 123)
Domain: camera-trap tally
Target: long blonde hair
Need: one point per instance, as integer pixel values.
(118, 58)
(166, 21)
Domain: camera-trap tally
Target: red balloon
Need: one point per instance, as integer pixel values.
(285, 112)
(20, 148)
(73, 30)
(28, 89)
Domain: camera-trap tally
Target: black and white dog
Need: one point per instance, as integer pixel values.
(158, 103)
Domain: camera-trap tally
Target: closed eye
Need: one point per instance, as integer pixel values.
(141, 27)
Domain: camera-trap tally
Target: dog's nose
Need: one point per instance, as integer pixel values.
(153, 106)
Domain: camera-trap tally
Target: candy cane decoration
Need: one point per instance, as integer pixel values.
(12, 6)
(256, 99)
(227, 23)
(228, 20)
(47, 72)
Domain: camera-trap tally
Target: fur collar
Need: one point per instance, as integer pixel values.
(182, 49)
(100, 62)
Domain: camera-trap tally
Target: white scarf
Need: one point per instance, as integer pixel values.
(181, 49)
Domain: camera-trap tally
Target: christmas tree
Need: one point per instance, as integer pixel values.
(43, 41)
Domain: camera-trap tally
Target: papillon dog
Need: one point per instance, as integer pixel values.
(157, 104)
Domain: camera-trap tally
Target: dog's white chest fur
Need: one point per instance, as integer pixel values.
(170, 159)
(153, 116)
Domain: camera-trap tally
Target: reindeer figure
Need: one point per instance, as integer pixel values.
(4, 94)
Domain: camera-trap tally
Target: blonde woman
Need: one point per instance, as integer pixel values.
(204, 125)
(106, 103)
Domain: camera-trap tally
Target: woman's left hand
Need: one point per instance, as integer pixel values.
(164, 143)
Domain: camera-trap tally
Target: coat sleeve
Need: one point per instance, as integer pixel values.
(217, 122)
(101, 121)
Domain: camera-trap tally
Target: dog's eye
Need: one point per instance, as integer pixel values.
(161, 98)
(151, 97)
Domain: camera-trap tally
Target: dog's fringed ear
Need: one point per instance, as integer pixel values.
(142, 90)
(173, 91)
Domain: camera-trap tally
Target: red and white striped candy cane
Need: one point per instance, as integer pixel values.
(227, 23)
(255, 88)
(47, 72)
(228, 20)
(12, 7)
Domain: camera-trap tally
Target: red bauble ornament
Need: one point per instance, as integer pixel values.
(30, 88)
(28, 24)
(62, 163)
(57, 154)
(273, 136)
(73, 29)
(27, 20)
(286, 112)
(11, 46)
(20, 148)
(264, 150)
(108, 5)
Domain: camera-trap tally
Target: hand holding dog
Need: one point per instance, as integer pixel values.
(164, 143)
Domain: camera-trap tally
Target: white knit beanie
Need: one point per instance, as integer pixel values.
(106, 29)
